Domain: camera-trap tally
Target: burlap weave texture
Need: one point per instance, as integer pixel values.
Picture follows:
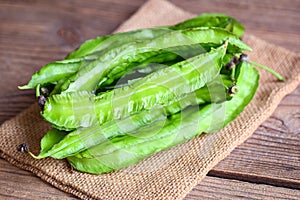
(169, 174)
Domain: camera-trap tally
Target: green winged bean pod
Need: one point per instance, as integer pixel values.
(163, 87)
(126, 150)
(55, 71)
(82, 139)
(97, 44)
(213, 20)
(125, 57)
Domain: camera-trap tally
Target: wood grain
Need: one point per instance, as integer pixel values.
(221, 188)
(19, 184)
(12, 103)
(272, 154)
(33, 33)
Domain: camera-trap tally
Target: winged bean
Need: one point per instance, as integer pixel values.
(85, 138)
(213, 20)
(87, 79)
(57, 70)
(93, 46)
(163, 87)
(126, 150)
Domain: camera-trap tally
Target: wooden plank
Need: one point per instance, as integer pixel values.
(220, 188)
(272, 154)
(20, 184)
(13, 103)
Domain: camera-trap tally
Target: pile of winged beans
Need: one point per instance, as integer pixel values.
(120, 98)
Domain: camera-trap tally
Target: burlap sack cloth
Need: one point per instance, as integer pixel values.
(170, 174)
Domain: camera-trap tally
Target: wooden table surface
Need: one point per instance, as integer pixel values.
(35, 32)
